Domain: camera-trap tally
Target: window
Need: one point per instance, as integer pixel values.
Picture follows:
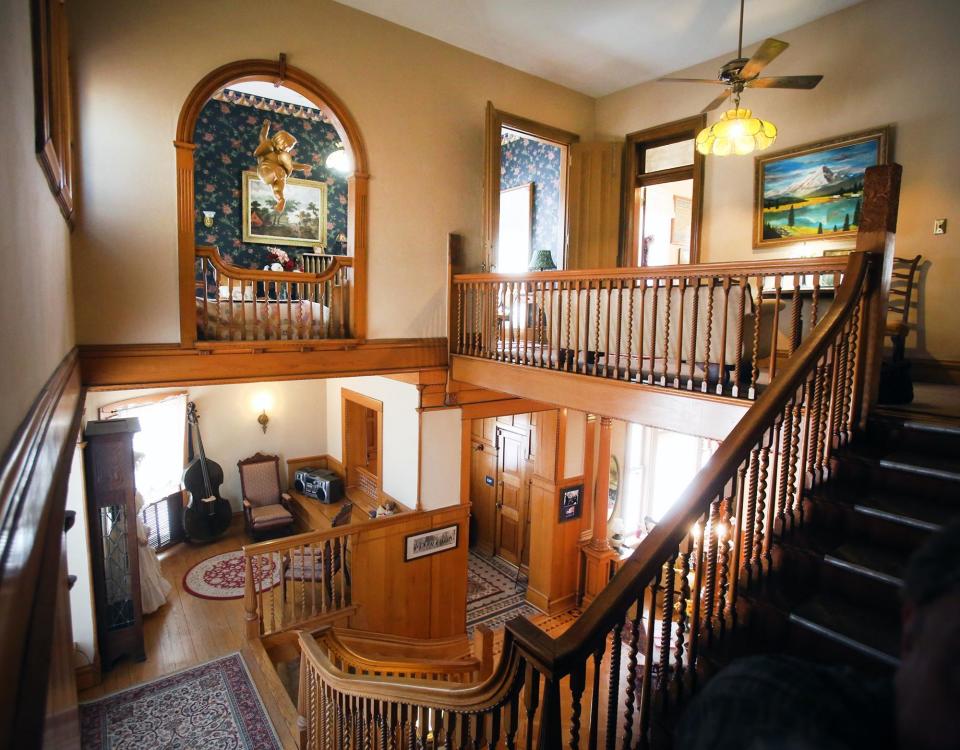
(663, 195)
(660, 464)
(160, 448)
(525, 192)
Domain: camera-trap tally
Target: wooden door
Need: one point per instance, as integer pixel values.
(483, 495)
(512, 450)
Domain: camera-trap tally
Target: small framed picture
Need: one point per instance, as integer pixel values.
(431, 542)
(303, 222)
(571, 502)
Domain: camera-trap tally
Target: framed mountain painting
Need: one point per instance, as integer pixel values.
(815, 191)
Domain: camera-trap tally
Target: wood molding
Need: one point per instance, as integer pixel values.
(495, 120)
(714, 416)
(272, 71)
(53, 101)
(33, 491)
(162, 365)
(943, 371)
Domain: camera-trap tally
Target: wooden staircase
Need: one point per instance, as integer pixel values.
(835, 594)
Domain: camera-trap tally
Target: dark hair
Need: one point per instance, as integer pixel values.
(934, 569)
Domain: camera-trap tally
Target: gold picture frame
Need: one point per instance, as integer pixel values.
(822, 180)
(299, 224)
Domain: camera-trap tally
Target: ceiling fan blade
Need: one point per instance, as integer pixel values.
(716, 102)
(689, 80)
(769, 50)
(785, 82)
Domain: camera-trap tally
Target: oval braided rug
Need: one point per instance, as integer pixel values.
(222, 576)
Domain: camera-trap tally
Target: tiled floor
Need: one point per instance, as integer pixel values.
(493, 593)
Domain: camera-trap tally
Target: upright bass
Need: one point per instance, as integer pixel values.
(208, 514)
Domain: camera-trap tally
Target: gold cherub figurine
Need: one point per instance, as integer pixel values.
(274, 162)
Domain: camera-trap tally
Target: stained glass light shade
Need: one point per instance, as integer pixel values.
(737, 132)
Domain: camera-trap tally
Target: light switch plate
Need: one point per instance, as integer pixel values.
(940, 226)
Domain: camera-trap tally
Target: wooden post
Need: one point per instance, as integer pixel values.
(483, 650)
(876, 234)
(251, 616)
(598, 554)
(454, 266)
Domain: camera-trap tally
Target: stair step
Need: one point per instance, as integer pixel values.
(870, 560)
(911, 472)
(833, 629)
(933, 435)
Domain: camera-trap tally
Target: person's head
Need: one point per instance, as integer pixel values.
(283, 141)
(928, 680)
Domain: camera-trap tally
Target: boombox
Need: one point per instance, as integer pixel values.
(321, 484)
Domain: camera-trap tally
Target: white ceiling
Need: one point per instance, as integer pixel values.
(599, 46)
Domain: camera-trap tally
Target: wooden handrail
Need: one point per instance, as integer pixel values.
(252, 274)
(743, 267)
(578, 640)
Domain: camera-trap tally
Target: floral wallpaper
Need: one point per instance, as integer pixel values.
(226, 136)
(525, 160)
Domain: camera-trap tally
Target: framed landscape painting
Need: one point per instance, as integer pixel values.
(815, 191)
(304, 218)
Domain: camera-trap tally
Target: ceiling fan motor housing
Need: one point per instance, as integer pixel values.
(730, 73)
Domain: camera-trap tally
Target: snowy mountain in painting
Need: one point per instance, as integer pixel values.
(815, 181)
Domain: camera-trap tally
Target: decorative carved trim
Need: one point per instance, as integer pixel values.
(346, 127)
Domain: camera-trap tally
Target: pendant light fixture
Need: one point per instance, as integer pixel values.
(738, 131)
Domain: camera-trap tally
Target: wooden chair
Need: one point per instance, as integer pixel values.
(265, 507)
(901, 294)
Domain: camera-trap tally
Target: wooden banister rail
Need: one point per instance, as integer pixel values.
(247, 304)
(676, 597)
(717, 327)
(297, 580)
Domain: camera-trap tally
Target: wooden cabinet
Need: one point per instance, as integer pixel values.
(114, 551)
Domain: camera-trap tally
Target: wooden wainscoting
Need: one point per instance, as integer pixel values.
(38, 698)
(151, 365)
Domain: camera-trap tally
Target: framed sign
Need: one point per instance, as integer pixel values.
(303, 221)
(431, 542)
(571, 502)
(814, 191)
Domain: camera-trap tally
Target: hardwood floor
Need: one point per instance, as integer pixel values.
(187, 630)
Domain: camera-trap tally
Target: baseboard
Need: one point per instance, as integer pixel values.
(940, 371)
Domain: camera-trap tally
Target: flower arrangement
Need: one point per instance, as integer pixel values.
(279, 260)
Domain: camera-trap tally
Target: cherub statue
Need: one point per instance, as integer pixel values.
(274, 162)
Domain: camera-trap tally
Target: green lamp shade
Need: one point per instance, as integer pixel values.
(542, 261)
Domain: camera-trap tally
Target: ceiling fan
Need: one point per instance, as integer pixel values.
(741, 73)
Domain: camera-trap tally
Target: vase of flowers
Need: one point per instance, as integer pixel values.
(279, 260)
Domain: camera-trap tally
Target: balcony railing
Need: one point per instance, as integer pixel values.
(721, 328)
(244, 304)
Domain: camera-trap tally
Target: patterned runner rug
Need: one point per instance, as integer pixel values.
(222, 576)
(493, 596)
(214, 705)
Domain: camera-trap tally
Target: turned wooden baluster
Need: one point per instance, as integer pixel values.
(722, 374)
(653, 330)
(630, 304)
(775, 327)
(681, 303)
(250, 599)
(794, 493)
(594, 729)
(762, 549)
(737, 535)
(531, 700)
(632, 660)
(723, 565)
(613, 687)
(709, 337)
(668, 294)
(683, 594)
(750, 515)
(646, 683)
(596, 352)
(754, 361)
(666, 631)
(640, 330)
(779, 481)
(619, 328)
(709, 580)
(694, 316)
(577, 684)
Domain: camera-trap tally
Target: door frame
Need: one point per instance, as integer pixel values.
(524, 434)
(633, 178)
(359, 399)
(496, 120)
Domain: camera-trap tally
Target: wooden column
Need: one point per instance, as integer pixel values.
(598, 554)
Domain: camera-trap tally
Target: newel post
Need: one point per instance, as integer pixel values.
(251, 616)
(876, 235)
(454, 266)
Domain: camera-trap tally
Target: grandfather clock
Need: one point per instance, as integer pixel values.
(114, 552)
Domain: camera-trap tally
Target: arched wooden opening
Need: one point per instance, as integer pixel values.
(302, 82)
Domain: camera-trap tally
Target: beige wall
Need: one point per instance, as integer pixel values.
(401, 431)
(884, 61)
(419, 104)
(36, 307)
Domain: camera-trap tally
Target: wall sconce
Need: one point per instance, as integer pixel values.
(208, 218)
(261, 403)
(339, 160)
